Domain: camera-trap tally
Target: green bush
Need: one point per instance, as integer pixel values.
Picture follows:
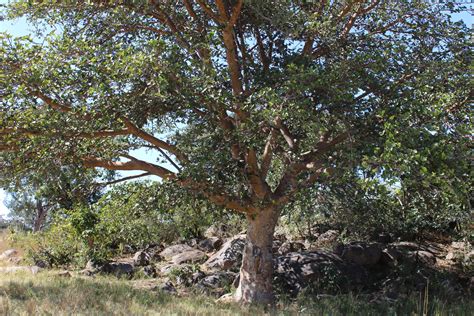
(132, 215)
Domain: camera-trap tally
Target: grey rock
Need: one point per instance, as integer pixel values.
(327, 239)
(295, 271)
(218, 280)
(210, 244)
(362, 253)
(150, 271)
(289, 246)
(168, 287)
(229, 256)
(119, 269)
(450, 256)
(197, 276)
(425, 256)
(171, 251)
(141, 258)
(217, 230)
(388, 258)
(458, 245)
(8, 254)
(191, 256)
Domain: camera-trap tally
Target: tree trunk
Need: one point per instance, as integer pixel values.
(256, 273)
(41, 213)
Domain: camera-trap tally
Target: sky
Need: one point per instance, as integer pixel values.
(20, 27)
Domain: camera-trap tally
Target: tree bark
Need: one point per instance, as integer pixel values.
(256, 273)
(40, 217)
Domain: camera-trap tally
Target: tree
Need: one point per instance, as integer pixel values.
(33, 197)
(246, 102)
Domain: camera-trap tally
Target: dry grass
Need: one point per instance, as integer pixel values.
(46, 293)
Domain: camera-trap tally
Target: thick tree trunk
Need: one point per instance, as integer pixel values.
(256, 273)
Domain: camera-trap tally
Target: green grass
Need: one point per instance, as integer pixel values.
(48, 294)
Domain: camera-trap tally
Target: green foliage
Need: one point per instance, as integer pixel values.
(134, 215)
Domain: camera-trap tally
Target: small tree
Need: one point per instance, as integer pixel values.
(246, 102)
(33, 197)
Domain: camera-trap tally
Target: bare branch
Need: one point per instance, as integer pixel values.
(124, 179)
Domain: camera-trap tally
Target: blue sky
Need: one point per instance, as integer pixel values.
(20, 27)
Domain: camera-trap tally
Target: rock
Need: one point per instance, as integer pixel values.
(171, 251)
(141, 258)
(87, 272)
(450, 256)
(362, 253)
(294, 271)
(425, 256)
(168, 287)
(217, 230)
(119, 269)
(229, 256)
(64, 274)
(226, 298)
(127, 249)
(8, 253)
(193, 242)
(192, 256)
(42, 264)
(388, 258)
(15, 260)
(217, 280)
(150, 271)
(289, 246)
(32, 269)
(92, 265)
(458, 245)
(197, 276)
(210, 244)
(327, 239)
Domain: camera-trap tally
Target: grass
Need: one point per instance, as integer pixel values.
(46, 293)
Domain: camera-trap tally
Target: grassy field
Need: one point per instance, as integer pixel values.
(46, 293)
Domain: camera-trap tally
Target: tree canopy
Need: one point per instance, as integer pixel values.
(246, 102)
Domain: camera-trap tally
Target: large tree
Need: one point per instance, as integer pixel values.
(246, 102)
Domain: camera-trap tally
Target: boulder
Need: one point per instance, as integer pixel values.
(294, 271)
(219, 279)
(216, 284)
(8, 253)
(425, 257)
(149, 271)
(168, 287)
(197, 276)
(289, 246)
(450, 256)
(388, 258)
(455, 244)
(191, 256)
(141, 258)
(362, 253)
(327, 239)
(217, 230)
(229, 256)
(119, 269)
(210, 244)
(171, 251)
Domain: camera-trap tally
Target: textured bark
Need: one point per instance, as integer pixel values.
(256, 273)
